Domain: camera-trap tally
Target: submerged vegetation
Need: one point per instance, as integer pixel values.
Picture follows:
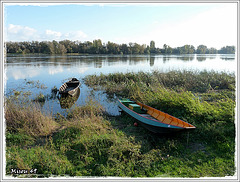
(88, 142)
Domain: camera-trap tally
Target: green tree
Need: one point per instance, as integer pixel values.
(82, 48)
(97, 46)
(137, 48)
(187, 49)
(124, 49)
(113, 48)
(227, 50)
(167, 49)
(68, 45)
(88, 46)
(152, 47)
(212, 51)
(191, 49)
(45, 47)
(201, 49)
(147, 50)
(131, 47)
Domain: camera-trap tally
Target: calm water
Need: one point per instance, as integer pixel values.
(28, 73)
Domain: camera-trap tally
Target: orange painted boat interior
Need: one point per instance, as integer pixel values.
(164, 117)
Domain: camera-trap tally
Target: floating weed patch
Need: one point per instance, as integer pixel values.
(33, 83)
(40, 98)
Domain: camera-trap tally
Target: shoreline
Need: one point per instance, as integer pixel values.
(87, 142)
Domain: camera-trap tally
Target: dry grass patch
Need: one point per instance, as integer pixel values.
(28, 119)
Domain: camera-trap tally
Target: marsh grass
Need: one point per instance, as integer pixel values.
(27, 118)
(204, 99)
(202, 81)
(87, 145)
(87, 142)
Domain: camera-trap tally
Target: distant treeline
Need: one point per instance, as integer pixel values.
(97, 47)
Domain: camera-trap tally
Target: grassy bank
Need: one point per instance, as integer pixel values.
(202, 82)
(89, 143)
(204, 99)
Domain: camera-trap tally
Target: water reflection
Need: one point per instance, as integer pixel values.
(152, 59)
(23, 67)
(165, 59)
(201, 59)
(67, 101)
(190, 57)
(53, 70)
(227, 58)
(212, 56)
(98, 63)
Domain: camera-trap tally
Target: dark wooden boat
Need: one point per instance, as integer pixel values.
(70, 87)
(153, 119)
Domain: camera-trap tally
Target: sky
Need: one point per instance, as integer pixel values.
(174, 24)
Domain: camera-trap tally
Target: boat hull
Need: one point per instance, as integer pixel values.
(150, 123)
(70, 87)
(156, 129)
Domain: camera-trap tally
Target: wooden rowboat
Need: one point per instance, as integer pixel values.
(153, 119)
(70, 87)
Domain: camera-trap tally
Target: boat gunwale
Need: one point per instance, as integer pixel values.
(169, 115)
(72, 91)
(180, 127)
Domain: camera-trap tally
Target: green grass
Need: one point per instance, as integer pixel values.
(89, 143)
(202, 82)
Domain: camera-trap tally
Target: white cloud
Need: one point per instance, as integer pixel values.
(25, 33)
(22, 74)
(75, 35)
(72, 35)
(82, 70)
(216, 27)
(55, 70)
(21, 33)
(52, 35)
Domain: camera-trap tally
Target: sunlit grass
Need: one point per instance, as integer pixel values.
(202, 81)
(89, 143)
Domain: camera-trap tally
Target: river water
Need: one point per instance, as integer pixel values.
(40, 73)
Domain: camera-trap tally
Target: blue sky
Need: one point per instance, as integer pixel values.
(211, 24)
